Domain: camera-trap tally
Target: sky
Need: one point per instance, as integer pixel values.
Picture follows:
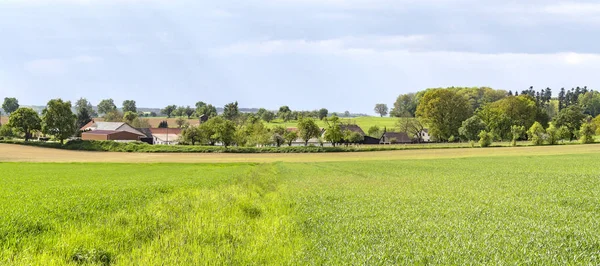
(308, 54)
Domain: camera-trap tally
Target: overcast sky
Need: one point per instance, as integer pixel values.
(339, 54)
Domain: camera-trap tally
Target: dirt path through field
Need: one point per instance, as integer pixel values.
(19, 153)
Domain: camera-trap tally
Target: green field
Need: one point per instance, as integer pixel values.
(364, 122)
(519, 209)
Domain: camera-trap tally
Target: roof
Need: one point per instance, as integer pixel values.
(145, 131)
(353, 128)
(88, 125)
(105, 132)
(170, 131)
(108, 125)
(400, 137)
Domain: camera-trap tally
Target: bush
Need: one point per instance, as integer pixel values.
(536, 134)
(485, 139)
(586, 133)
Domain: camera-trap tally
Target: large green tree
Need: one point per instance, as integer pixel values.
(590, 103)
(308, 129)
(231, 111)
(572, 117)
(207, 110)
(10, 105)
(129, 106)
(471, 128)
(106, 106)
(168, 110)
(381, 109)
(405, 105)
(334, 132)
(443, 110)
(323, 113)
(84, 111)
(499, 116)
(25, 120)
(58, 120)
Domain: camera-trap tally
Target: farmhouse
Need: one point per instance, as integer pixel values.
(395, 138)
(121, 136)
(110, 126)
(352, 128)
(165, 136)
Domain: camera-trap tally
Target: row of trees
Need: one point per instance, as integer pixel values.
(462, 113)
(252, 132)
(57, 120)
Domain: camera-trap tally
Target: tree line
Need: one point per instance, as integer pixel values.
(458, 113)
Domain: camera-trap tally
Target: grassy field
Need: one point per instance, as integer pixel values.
(363, 122)
(528, 205)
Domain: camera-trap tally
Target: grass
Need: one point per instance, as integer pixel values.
(529, 207)
(364, 122)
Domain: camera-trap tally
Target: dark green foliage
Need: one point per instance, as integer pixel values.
(58, 120)
(471, 128)
(25, 120)
(168, 110)
(129, 106)
(163, 124)
(106, 106)
(231, 111)
(10, 105)
(572, 117)
(381, 109)
(323, 113)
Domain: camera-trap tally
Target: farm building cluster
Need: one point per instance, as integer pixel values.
(123, 132)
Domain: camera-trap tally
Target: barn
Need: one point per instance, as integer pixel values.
(111, 135)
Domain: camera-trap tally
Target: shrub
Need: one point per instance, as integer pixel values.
(485, 139)
(536, 134)
(552, 135)
(586, 133)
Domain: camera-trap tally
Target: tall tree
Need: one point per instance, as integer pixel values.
(323, 113)
(268, 116)
(290, 136)
(168, 110)
(571, 117)
(25, 120)
(307, 129)
(10, 105)
(381, 109)
(278, 135)
(206, 109)
(59, 120)
(84, 111)
(590, 103)
(471, 128)
(189, 111)
(405, 105)
(231, 111)
(129, 116)
(106, 106)
(334, 132)
(129, 106)
(443, 110)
